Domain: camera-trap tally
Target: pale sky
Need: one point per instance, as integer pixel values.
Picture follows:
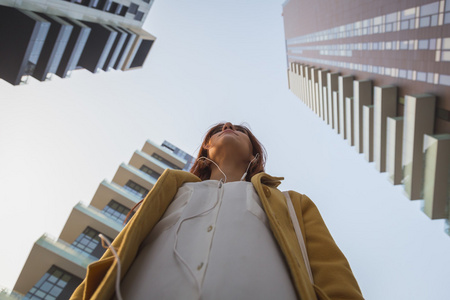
(213, 61)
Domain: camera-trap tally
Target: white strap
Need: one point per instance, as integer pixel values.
(299, 234)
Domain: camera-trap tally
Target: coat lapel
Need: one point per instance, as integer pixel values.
(275, 206)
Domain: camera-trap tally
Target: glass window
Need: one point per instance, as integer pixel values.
(434, 20)
(421, 76)
(424, 22)
(445, 56)
(410, 74)
(87, 241)
(99, 4)
(136, 189)
(51, 285)
(113, 8)
(404, 25)
(446, 43)
(165, 161)
(402, 73)
(409, 13)
(133, 8)
(139, 15)
(116, 211)
(444, 79)
(429, 9)
(150, 172)
(83, 2)
(388, 27)
(423, 44)
(447, 18)
(391, 17)
(377, 20)
(432, 44)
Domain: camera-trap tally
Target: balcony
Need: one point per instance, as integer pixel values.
(127, 172)
(48, 251)
(83, 216)
(150, 148)
(7, 294)
(140, 158)
(109, 190)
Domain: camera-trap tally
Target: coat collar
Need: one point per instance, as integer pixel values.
(262, 177)
(266, 179)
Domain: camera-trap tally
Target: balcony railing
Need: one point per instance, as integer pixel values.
(98, 215)
(7, 294)
(66, 250)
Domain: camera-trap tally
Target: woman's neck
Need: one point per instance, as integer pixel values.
(232, 169)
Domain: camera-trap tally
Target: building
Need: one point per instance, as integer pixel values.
(56, 266)
(42, 38)
(378, 72)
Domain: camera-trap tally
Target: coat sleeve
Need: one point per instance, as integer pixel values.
(333, 277)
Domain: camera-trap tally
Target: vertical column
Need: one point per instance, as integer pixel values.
(336, 111)
(305, 84)
(349, 118)
(289, 73)
(322, 97)
(325, 100)
(301, 68)
(314, 96)
(362, 90)
(307, 89)
(345, 90)
(419, 120)
(385, 105)
(368, 132)
(295, 81)
(436, 175)
(332, 86)
(394, 143)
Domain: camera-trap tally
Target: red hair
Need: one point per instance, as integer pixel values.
(201, 167)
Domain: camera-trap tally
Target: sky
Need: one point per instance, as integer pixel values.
(212, 61)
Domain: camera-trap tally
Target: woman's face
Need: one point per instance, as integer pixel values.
(229, 139)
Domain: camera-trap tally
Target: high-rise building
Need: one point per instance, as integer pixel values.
(378, 72)
(55, 266)
(40, 38)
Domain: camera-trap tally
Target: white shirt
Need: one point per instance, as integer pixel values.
(213, 242)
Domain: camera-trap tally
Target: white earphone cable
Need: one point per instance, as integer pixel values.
(243, 176)
(105, 240)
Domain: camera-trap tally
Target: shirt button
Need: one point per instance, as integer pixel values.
(210, 228)
(200, 266)
(266, 191)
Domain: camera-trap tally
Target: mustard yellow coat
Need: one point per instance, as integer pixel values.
(333, 278)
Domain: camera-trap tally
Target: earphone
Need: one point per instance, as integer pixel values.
(243, 176)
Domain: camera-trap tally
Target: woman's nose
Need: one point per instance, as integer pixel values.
(228, 125)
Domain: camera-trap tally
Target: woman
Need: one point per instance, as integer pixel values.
(223, 231)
